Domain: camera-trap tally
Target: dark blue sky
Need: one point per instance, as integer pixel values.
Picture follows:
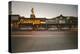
(47, 10)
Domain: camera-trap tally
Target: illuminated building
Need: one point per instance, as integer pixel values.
(59, 22)
(33, 22)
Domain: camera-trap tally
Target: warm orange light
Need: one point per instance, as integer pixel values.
(32, 21)
(43, 22)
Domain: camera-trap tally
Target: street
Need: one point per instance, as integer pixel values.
(27, 41)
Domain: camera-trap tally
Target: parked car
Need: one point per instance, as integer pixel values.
(41, 28)
(26, 28)
(53, 29)
(65, 28)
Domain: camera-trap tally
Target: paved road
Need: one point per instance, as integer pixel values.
(27, 41)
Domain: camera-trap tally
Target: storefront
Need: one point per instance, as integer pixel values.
(34, 23)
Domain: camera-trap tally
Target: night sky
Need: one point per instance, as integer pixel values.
(47, 10)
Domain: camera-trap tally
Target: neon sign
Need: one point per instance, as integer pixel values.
(30, 21)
